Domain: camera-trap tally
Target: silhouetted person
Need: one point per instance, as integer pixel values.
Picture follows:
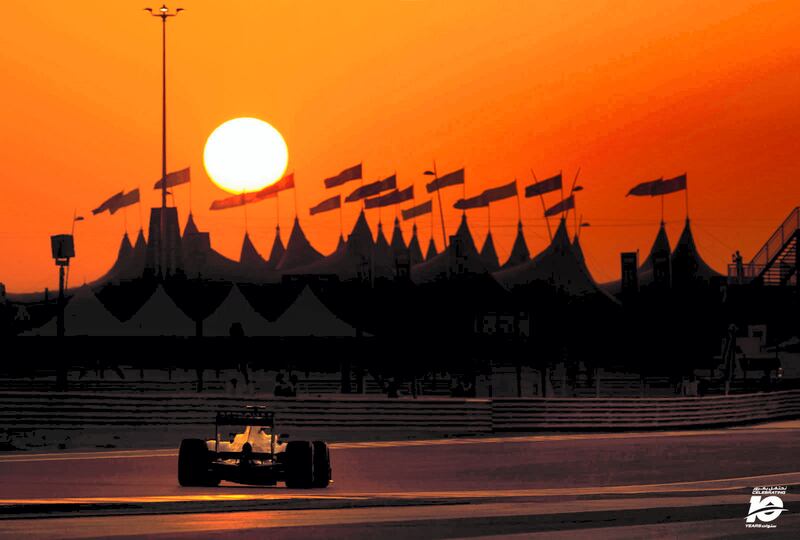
(391, 388)
(237, 331)
(246, 460)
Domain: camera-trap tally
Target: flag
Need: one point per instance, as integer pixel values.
(545, 186)
(501, 192)
(645, 189)
(671, 185)
(287, 182)
(478, 201)
(419, 210)
(78, 218)
(328, 204)
(107, 204)
(450, 179)
(232, 201)
(393, 197)
(563, 206)
(174, 179)
(130, 198)
(370, 190)
(351, 173)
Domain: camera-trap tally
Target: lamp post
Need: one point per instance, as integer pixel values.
(164, 13)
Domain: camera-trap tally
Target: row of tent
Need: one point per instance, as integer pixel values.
(561, 263)
(85, 315)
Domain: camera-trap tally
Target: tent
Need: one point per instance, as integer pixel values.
(489, 254)
(557, 265)
(308, 316)
(251, 263)
(159, 316)
(519, 251)
(687, 263)
(460, 257)
(235, 309)
(278, 249)
(414, 250)
(299, 251)
(84, 315)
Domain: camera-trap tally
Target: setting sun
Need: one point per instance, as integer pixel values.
(245, 155)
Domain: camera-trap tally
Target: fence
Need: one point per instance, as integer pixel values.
(32, 410)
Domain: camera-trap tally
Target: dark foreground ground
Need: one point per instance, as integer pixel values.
(671, 484)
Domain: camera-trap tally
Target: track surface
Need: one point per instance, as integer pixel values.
(616, 483)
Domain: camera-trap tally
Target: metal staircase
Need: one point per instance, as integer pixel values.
(776, 263)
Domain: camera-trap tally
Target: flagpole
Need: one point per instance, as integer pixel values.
(662, 208)
(164, 13)
(686, 196)
(441, 210)
(519, 202)
(544, 208)
(244, 204)
(571, 191)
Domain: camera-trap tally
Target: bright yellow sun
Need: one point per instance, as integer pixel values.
(245, 155)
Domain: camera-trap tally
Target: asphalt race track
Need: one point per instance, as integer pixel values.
(689, 484)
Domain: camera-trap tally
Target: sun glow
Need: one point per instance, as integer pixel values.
(245, 155)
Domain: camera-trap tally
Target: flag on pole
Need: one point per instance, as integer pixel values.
(108, 203)
(545, 186)
(174, 179)
(351, 173)
(393, 197)
(128, 199)
(500, 192)
(327, 205)
(419, 210)
(370, 190)
(671, 185)
(231, 202)
(478, 201)
(563, 206)
(450, 179)
(287, 182)
(645, 189)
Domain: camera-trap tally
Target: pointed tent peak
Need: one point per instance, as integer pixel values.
(249, 254)
(519, 251)
(397, 243)
(360, 239)
(431, 252)
(660, 247)
(299, 250)
(125, 247)
(191, 226)
(381, 241)
(278, 248)
(489, 254)
(341, 243)
(414, 249)
(687, 263)
(561, 237)
(140, 241)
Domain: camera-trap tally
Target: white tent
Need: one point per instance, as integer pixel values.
(159, 316)
(235, 309)
(84, 315)
(308, 316)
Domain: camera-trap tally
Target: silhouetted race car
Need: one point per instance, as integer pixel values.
(246, 450)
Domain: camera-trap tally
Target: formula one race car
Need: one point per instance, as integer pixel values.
(246, 450)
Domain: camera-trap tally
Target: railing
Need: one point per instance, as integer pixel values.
(778, 239)
(400, 417)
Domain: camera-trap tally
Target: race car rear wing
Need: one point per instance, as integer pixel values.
(252, 417)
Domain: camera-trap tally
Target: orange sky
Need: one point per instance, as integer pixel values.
(626, 90)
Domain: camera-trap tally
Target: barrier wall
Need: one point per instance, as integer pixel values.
(25, 410)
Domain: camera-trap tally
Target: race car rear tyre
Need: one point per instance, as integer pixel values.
(194, 461)
(299, 465)
(322, 465)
